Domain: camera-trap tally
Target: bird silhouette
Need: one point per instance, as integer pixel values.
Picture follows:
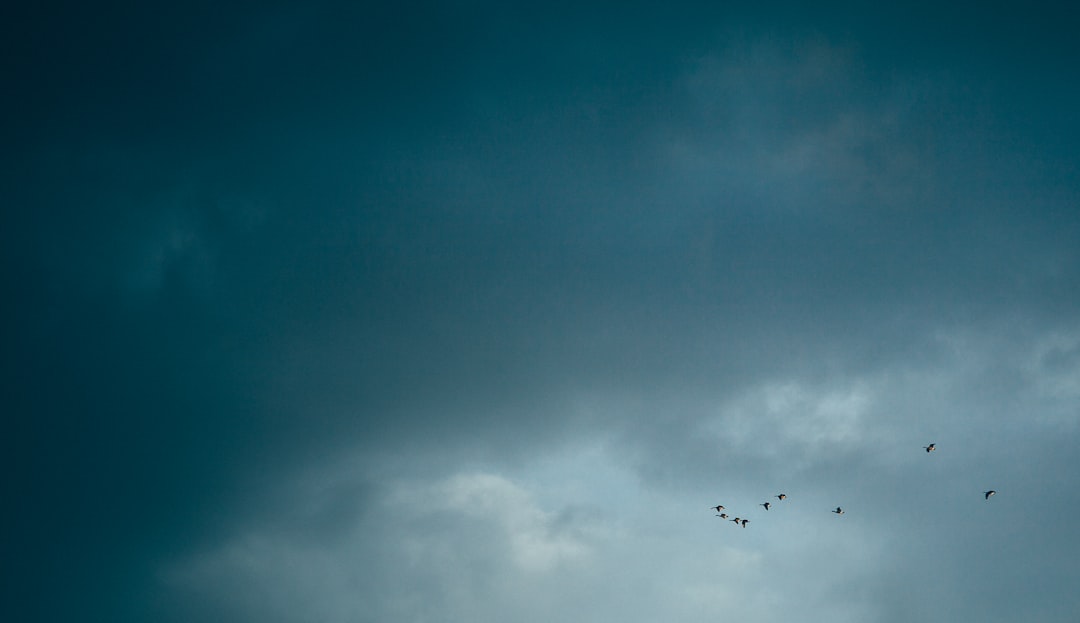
(722, 515)
(736, 520)
(782, 496)
(839, 511)
(766, 505)
(718, 507)
(930, 448)
(744, 522)
(989, 493)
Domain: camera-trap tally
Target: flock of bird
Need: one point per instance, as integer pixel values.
(739, 521)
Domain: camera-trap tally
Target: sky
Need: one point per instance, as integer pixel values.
(425, 312)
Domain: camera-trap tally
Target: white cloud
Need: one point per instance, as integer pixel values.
(536, 542)
(780, 415)
(486, 545)
(452, 544)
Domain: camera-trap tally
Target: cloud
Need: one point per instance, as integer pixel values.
(535, 544)
(417, 316)
(526, 542)
(421, 547)
(790, 414)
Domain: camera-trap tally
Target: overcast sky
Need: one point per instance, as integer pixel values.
(469, 311)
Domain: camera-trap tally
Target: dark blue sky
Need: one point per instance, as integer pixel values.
(336, 312)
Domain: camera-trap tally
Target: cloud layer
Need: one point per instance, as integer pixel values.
(469, 313)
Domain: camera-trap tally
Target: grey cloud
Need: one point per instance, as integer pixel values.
(740, 251)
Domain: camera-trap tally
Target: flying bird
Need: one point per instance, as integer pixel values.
(722, 515)
(718, 507)
(839, 511)
(736, 520)
(782, 496)
(766, 505)
(930, 448)
(989, 493)
(744, 522)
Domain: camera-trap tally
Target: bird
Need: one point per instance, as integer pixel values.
(782, 496)
(839, 511)
(718, 507)
(930, 448)
(744, 522)
(766, 505)
(722, 515)
(989, 493)
(736, 520)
